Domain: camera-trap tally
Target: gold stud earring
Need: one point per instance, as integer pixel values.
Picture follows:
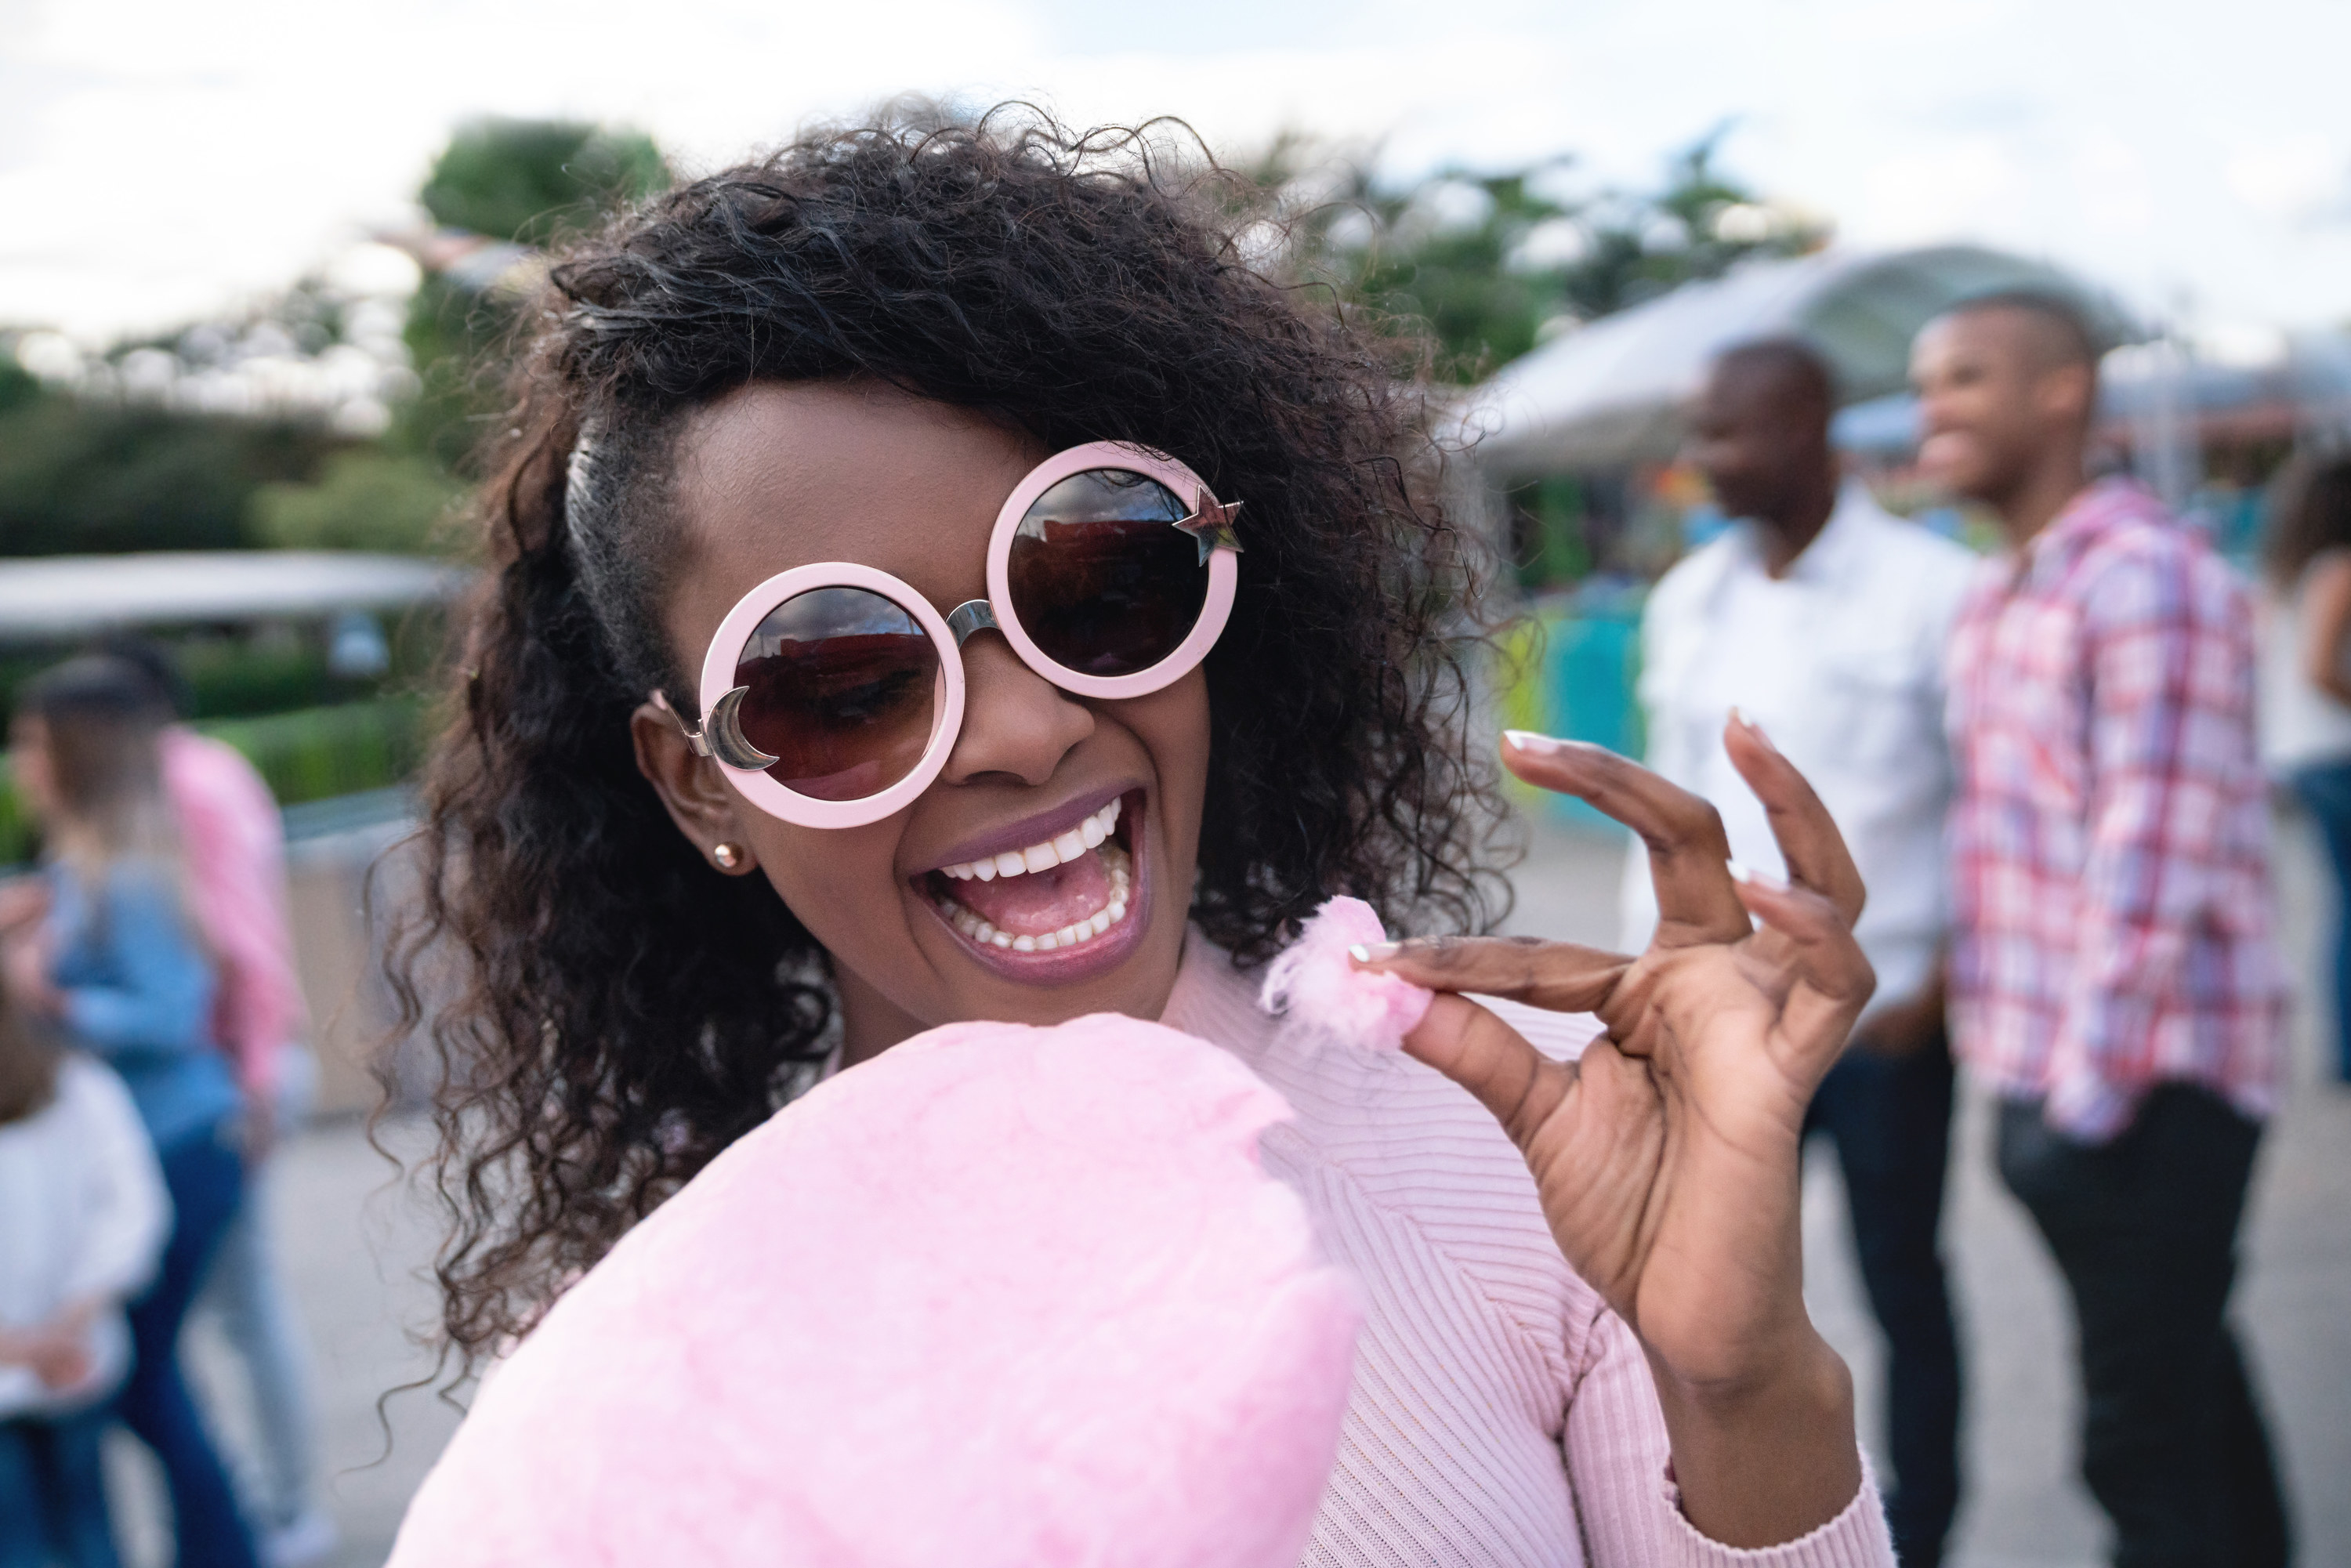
(729, 856)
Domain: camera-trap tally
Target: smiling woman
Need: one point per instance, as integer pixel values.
(937, 580)
(851, 353)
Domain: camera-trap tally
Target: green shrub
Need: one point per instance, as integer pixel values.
(238, 678)
(314, 754)
(15, 833)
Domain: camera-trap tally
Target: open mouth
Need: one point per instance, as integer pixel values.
(1068, 891)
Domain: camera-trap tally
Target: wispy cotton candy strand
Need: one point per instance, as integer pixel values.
(1323, 997)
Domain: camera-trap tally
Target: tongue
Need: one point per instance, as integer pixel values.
(1040, 901)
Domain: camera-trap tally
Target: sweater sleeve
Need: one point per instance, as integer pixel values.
(1620, 1466)
(126, 1212)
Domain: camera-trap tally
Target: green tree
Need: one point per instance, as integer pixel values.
(1700, 224)
(1493, 262)
(450, 332)
(527, 179)
(516, 181)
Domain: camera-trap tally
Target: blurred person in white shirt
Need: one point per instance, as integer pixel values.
(1822, 619)
(83, 1218)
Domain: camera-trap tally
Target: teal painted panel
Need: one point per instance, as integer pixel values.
(1589, 666)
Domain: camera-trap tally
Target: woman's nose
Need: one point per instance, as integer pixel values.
(1016, 723)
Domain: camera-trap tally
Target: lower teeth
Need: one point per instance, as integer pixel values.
(1114, 860)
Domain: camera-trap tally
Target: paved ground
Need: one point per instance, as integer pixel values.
(356, 1244)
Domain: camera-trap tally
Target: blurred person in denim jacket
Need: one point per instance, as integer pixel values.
(233, 843)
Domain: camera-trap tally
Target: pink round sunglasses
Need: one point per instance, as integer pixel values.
(831, 694)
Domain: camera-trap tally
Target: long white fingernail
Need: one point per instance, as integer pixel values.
(1751, 727)
(1534, 744)
(1755, 876)
(1371, 952)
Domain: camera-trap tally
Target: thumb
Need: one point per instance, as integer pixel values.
(1511, 1078)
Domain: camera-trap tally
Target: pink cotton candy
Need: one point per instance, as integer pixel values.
(1324, 998)
(1001, 1296)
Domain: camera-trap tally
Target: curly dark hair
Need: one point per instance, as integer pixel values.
(607, 1011)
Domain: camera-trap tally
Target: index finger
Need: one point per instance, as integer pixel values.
(1558, 976)
(1689, 852)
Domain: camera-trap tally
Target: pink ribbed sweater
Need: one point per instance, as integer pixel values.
(1502, 1414)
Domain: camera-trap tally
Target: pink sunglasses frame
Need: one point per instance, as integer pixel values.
(720, 737)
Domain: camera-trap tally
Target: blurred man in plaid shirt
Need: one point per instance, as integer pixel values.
(2112, 973)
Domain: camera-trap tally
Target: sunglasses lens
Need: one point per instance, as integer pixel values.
(843, 684)
(1101, 579)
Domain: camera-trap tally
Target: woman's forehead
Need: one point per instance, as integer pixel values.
(782, 475)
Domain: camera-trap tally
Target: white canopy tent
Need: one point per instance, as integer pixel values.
(57, 598)
(1613, 393)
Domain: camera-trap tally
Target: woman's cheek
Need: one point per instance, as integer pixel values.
(841, 883)
(1173, 727)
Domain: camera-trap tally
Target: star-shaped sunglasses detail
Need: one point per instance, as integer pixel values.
(1212, 527)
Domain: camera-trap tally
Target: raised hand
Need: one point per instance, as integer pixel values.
(1667, 1159)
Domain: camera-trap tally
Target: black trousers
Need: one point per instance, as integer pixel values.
(1890, 1119)
(2145, 1231)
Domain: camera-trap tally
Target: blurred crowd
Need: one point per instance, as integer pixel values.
(150, 1055)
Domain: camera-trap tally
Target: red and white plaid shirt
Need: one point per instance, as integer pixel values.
(2110, 833)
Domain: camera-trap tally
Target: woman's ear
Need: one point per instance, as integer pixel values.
(701, 805)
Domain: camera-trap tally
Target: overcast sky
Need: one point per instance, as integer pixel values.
(160, 160)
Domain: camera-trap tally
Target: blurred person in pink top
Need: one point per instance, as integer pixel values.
(234, 843)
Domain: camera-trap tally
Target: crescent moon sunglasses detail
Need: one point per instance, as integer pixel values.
(831, 694)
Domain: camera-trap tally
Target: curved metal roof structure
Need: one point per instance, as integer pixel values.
(1611, 393)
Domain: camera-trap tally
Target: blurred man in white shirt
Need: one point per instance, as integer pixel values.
(1822, 619)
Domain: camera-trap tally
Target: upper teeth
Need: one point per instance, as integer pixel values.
(984, 932)
(1087, 836)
